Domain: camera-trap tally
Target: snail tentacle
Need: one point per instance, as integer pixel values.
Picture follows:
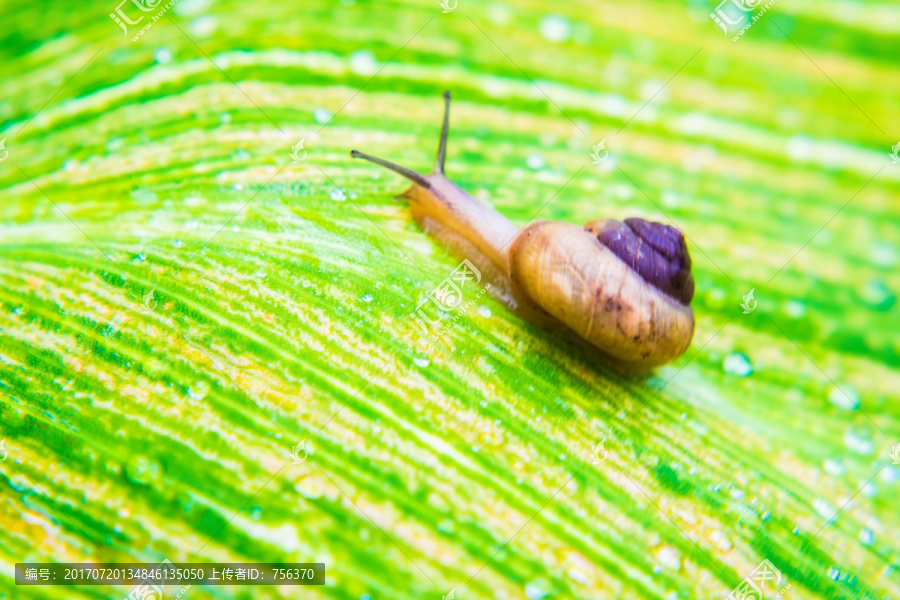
(442, 144)
(408, 173)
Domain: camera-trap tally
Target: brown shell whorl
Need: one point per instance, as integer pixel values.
(655, 251)
(575, 278)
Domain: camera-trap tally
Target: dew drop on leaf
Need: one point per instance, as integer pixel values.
(555, 28)
(866, 537)
(535, 161)
(844, 396)
(738, 364)
(833, 467)
(363, 63)
(322, 116)
(859, 441)
(537, 589)
(143, 470)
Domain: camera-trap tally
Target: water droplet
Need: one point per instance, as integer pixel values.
(823, 508)
(225, 118)
(738, 364)
(577, 576)
(869, 490)
(866, 537)
(669, 558)
(833, 467)
(535, 161)
(363, 63)
(721, 542)
(800, 147)
(446, 527)
(890, 474)
(141, 257)
(737, 494)
(143, 470)
(555, 28)
(367, 297)
(765, 516)
(844, 396)
(859, 441)
(884, 254)
(878, 295)
(795, 309)
(537, 589)
(306, 283)
(203, 26)
(834, 574)
(796, 531)
(178, 244)
(115, 144)
(421, 362)
(322, 116)
(240, 154)
(484, 311)
(144, 196)
(338, 195)
(162, 56)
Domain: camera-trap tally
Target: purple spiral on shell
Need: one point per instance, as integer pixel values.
(657, 253)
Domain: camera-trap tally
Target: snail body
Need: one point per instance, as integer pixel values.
(624, 287)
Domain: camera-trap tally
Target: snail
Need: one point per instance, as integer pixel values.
(623, 286)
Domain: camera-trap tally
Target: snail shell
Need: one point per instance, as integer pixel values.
(581, 282)
(625, 287)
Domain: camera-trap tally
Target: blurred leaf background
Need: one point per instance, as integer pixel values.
(282, 295)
